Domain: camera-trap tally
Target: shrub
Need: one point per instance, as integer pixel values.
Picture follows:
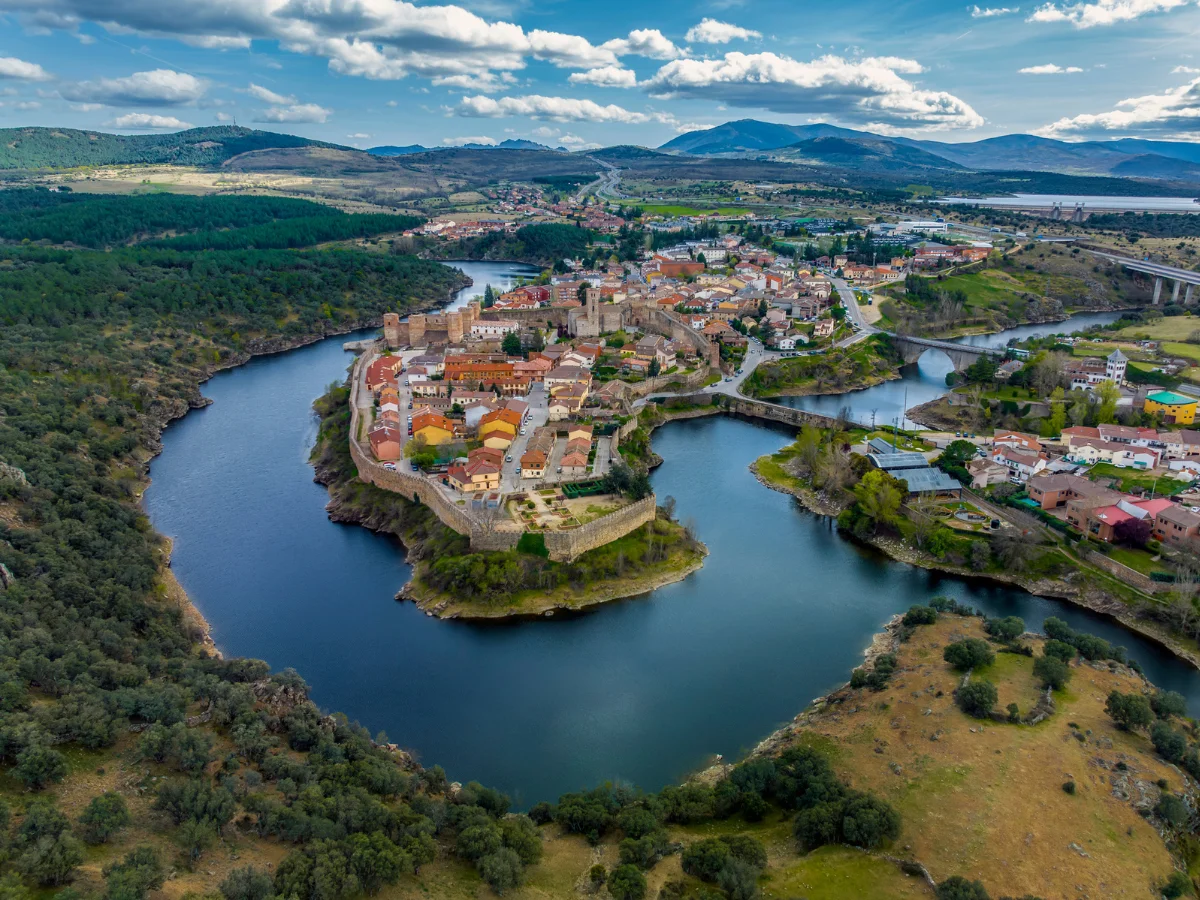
(958, 888)
(502, 870)
(1168, 703)
(1007, 629)
(920, 615)
(597, 874)
(136, 875)
(39, 766)
(1172, 810)
(1178, 885)
(1069, 787)
(1051, 671)
(1129, 711)
(705, 858)
(104, 817)
(1060, 650)
(977, 698)
(247, 884)
(968, 654)
(868, 822)
(627, 883)
(1170, 744)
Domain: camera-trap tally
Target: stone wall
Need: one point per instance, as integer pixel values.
(688, 382)
(565, 546)
(555, 315)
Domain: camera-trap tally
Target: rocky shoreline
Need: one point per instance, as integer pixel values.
(1059, 589)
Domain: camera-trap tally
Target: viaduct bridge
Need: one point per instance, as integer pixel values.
(1181, 277)
(961, 355)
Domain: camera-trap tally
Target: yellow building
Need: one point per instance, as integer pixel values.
(435, 429)
(1175, 408)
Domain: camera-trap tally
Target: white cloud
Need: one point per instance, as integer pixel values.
(991, 12)
(557, 109)
(296, 113)
(27, 105)
(606, 76)
(1185, 70)
(392, 103)
(710, 31)
(1102, 12)
(1049, 69)
(569, 51)
(224, 117)
(20, 70)
(358, 136)
(476, 139)
(160, 87)
(575, 142)
(864, 91)
(268, 96)
(648, 42)
(1173, 113)
(86, 107)
(484, 81)
(144, 121)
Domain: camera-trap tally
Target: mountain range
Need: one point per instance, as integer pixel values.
(509, 144)
(830, 145)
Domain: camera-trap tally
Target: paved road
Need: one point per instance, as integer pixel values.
(539, 414)
(609, 180)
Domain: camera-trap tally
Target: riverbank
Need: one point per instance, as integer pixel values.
(949, 774)
(838, 370)
(1089, 591)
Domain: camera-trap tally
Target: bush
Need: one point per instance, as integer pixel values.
(705, 858)
(958, 888)
(977, 698)
(968, 654)
(1051, 671)
(39, 766)
(1168, 703)
(868, 822)
(136, 875)
(1170, 744)
(920, 615)
(1178, 885)
(104, 817)
(1069, 787)
(502, 870)
(247, 884)
(1007, 629)
(1172, 810)
(627, 883)
(1129, 711)
(1060, 650)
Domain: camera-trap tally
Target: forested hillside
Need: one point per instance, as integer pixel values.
(545, 244)
(64, 148)
(195, 223)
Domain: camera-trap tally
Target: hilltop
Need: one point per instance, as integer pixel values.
(63, 148)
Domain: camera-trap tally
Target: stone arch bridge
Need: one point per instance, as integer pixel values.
(961, 355)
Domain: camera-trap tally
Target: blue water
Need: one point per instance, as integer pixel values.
(642, 690)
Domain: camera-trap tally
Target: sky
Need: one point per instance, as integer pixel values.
(585, 74)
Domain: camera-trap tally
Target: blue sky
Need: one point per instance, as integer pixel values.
(368, 72)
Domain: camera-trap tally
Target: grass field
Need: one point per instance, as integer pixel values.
(1168, 328)
(675, 209)
(1130, 479)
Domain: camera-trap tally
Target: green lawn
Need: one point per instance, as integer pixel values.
(1168, 328)
(1138, 560)
(1187, 351)
(675, 209)
(1129, 479)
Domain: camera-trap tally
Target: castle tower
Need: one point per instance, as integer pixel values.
(391, 330)
(416, 330)
(454, 327)
(593, 306)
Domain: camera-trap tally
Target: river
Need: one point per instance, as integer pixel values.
(643, 690)
(925, 379)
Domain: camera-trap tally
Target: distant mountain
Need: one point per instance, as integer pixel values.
(1127, 157)
(388, 150)
(864, 154)
(627, 151)
(510, 144)
(750, 135)
(64, 148)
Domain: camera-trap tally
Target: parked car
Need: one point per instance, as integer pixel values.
(522, 429)
(560, 470)
(508, 458)
(416, 468)
(729, 379)
(390, 466)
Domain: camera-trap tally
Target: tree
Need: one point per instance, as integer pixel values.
(879, 498)
(1051, 671)
(970, 653)
(977, 698)
(38, 766)
(868, 822)
(627, 883)
(1170, 744)
(705, 858)
(104, 817)
(655, 367)
(1109, 395)
(502, 870)
(136, 875)
(1129, 711)
(511, 344)
(1168, 703)
(1007, 629)
(248, 883)
(51, 859)
(1058, 413)
(1133, 532)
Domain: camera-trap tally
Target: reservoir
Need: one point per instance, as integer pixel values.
(642, 691)
(1017, 201)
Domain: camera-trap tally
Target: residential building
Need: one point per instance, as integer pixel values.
(1177, 525)
(1024, 464)
(433, 427)
(385, 442)
(475, 473)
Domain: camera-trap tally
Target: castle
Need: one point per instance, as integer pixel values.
(424, 330)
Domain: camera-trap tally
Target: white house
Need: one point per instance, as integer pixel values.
(1023, 464)
(494, 328)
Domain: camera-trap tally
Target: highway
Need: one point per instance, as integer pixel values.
(1149, 268)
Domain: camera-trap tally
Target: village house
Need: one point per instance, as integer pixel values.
(1023, 464)
(477, 472)
(1177, 526)
(385, 442)
(498, 429)
(433, 427)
